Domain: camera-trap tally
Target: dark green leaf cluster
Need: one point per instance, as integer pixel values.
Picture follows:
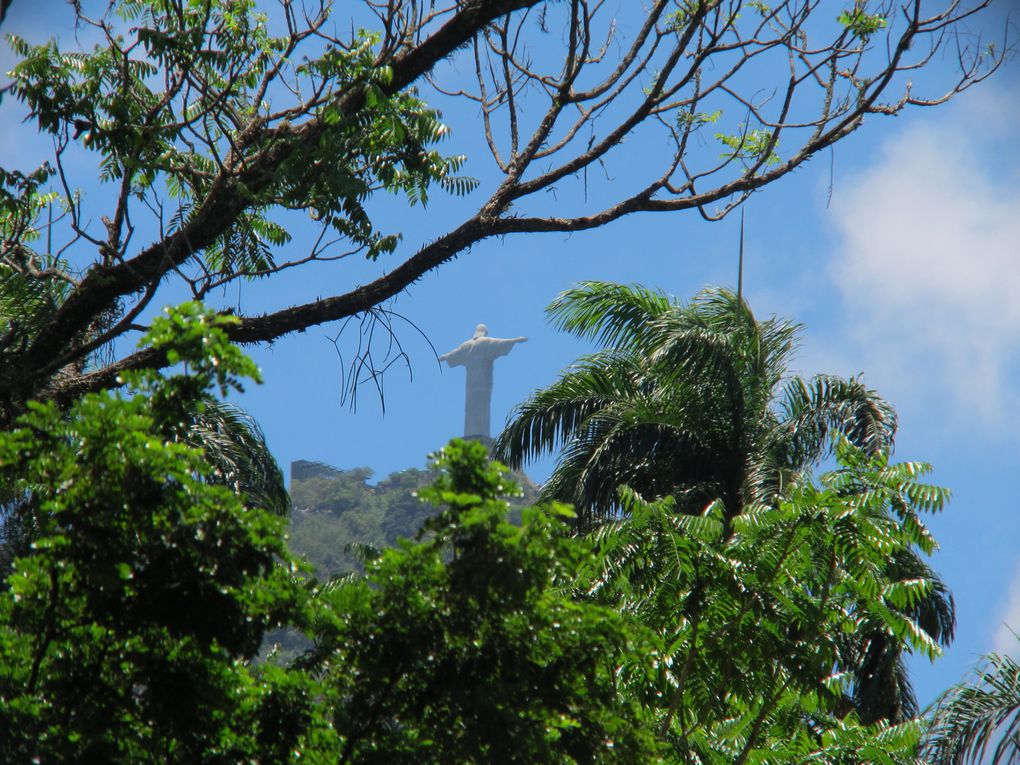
(126, 624)
(758, 616)
(130, 620)
(483, 657)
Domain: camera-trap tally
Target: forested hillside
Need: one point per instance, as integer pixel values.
(334, 509)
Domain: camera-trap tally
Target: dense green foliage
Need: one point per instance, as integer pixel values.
(125, 626)
(755, 615)
(128, 625)
(695, 402)
(483, 656)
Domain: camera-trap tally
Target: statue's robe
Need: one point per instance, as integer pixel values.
(477, 356)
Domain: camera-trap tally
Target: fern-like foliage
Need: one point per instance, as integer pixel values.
(757, 615)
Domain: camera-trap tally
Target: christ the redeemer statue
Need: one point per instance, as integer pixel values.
(476, 356)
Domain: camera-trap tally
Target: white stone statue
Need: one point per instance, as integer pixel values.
(477, 356)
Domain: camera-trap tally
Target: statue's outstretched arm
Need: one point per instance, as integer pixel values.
(501, 346)
(454, 358)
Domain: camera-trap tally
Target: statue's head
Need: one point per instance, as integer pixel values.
(481, 331)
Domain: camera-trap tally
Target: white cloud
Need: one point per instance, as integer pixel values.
(929, 264)
(1008, 622)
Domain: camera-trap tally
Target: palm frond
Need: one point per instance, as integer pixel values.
(974, 715)
(812, 410)
(27, 301)
(763, 347)
(552, 416)
(935, 612)
(647, 454)
(615, 315)
(881, 681)
(235, 447)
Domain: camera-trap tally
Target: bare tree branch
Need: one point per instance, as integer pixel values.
(722, 98)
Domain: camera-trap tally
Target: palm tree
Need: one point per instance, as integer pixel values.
(695, 402)
(972, 715)
(692, 401)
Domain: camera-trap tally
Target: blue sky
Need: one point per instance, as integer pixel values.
(908, 274)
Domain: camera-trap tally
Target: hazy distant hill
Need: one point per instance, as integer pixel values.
(333, 508)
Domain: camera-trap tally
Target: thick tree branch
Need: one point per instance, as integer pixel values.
(233, 190)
